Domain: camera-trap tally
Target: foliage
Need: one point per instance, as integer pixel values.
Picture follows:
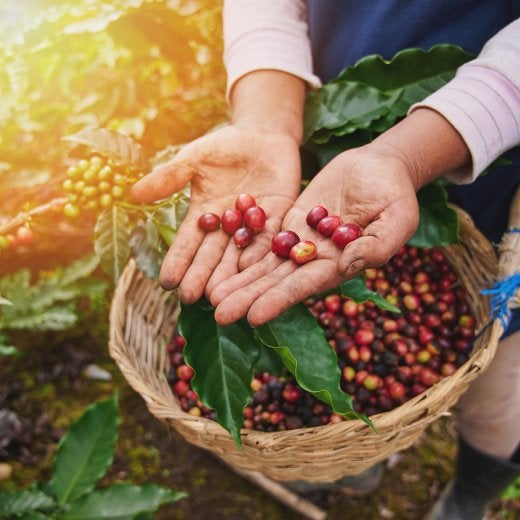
(84, 455)
(513, 491)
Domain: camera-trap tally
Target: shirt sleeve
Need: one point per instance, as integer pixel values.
(483, 102)
(267, 34)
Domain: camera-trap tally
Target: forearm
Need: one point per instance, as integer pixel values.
(427, 144)
(269, 100)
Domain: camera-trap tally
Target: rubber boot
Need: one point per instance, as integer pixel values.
(478, 480)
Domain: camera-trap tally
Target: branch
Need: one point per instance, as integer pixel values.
(23, 216)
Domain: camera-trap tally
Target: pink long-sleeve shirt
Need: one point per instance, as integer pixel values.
(482, 102)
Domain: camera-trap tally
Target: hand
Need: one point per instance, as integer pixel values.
(372, 189)
(221, 165)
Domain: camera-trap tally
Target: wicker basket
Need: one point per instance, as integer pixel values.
(143, 317)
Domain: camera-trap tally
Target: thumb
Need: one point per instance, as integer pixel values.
(163, 181)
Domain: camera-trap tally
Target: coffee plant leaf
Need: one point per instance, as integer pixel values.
(374, 93)
(112, 240)
(147, 256)
(9, 350)
(17, 503)
(300, 342)
(356, 289)
(438, 222)
(121, 502)
(223, 359)
(119, 147)
(86, 451)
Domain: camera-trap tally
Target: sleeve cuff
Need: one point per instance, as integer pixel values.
(484, 107)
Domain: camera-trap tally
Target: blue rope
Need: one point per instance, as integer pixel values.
(513, 230)
(501, 293)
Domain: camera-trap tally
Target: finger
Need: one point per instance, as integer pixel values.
(263, 268)
(163, 181)
(181, 253)
(380, 241)
(227, 268)
(304, 281)
(237, 303)
(207, 257)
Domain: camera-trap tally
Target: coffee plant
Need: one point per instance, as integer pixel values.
(84, 454)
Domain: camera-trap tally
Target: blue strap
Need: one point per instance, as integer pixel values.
(501, 292)
(513, 230)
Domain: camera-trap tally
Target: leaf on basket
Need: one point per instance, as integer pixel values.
(438, 223)
(306, 353)
(223, 359)
(356, 289)
(119, 147)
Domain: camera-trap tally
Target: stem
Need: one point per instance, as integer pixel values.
(23, 216)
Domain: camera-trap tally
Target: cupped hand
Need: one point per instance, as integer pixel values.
(374, 190)
(219, 166)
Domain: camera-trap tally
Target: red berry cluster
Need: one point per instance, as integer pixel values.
(242, 222)
(96, 184)
(287, 244)
(385, 358)
(23, 236)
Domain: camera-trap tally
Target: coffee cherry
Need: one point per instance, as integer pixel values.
(242, 237)
(303, 252)
(282, 243)
(232, 219)
(244, 201)
(70, 210)
(327, 225)
(209, 222)
(254, 219)
(315, 215)
(344, 234)
(24, 236)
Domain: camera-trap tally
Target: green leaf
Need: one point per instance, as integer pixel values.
(9, 350)
(145, 250)
(86, 451)
(438, 223)
(18, 502)
(114, 145)
(223, 359)
(121, 502)
(3, 301)
(112, 240)
(269, 361)
(306, 353)
(356, 289)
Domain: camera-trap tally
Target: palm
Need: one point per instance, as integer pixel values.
(220, 166)
(374, 195)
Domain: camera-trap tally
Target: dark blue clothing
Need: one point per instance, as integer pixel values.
(343, 31)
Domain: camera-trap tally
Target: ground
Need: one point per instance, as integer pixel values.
(47, 389)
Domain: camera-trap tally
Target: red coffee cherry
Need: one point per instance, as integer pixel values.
(327, 225)
(244, 201)
(243, 237)
(254, 219)
(209, 222)
(315, 215)
(282, 243)
(345, 233)
(231, 220)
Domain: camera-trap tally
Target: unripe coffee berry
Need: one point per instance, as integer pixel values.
(327, 225)
(282, 243)
(231, 220)
(209, 222)
(254, 219)
(344, 234)
(315, 215)
(303, 252)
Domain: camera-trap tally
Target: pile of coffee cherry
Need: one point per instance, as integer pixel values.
(385, 358)
(247, 219)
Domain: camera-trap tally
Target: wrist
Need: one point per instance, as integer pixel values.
(270, 102)
(426, 144)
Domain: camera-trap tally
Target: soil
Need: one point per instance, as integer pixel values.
(46, 390)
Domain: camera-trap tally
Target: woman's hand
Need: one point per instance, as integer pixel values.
(232, 160)
(373, 189)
